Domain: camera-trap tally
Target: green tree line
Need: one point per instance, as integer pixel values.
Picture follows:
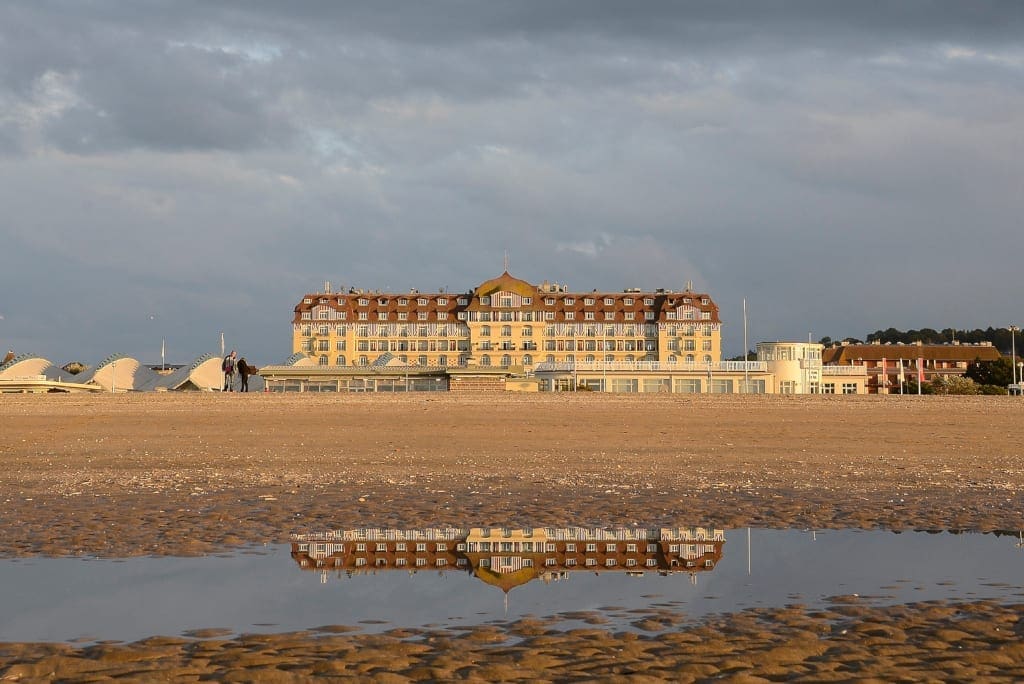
(1000, 338)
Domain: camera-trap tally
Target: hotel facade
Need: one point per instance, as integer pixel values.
(509, 334)
(509, 323)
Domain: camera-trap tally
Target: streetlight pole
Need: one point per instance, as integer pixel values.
(1013, 353)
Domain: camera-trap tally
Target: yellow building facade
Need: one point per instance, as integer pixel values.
(508, 323)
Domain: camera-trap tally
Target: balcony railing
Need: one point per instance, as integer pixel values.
(721, 367)
(843, 370)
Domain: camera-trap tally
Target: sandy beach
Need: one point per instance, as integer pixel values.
(124, 475)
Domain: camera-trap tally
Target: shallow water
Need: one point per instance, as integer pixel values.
(264, 590)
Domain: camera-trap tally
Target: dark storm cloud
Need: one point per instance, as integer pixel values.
(216, 160)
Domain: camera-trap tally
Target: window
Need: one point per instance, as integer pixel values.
(340, 360)
(569, 301)
(549, 315)
(705, 345)
(609, 315)
(323, 345)
(630, 315)
(849, 388)
(609, 548)
(421, 547)
(705, 301)
(382, 315)
(382, 548)
(648, 301)
(485, 301)
(589, 301)
(307, 300)
(630, 548)
(420, 562)
(363, 316)
(649, 315)
(828, 388)
(402, 301)
(400, 546)
(306, 315)
(364, 302)
(360, 547)
(591, 548)
(443, 315)
(608, 301)
(705, 315)
(421, 315)
(442, 301)
(485, 331)
(422, 301)
(442, 547)
(588, 315)
(400, 562)
(527, 300)
(570, 548)
(549, 301)
(570, 315)
(403, 316)
(628, 301)
(590, 562)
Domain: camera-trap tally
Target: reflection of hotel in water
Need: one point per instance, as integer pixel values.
(507, 558)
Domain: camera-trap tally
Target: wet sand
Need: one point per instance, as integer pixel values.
(119, 475)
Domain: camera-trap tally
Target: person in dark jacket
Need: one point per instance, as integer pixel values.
(244, 370)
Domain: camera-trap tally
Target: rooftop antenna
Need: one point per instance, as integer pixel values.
(506, 261)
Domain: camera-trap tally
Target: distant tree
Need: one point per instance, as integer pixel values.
(74, 367)
(953, 384)
(998, 372)
(826, 341)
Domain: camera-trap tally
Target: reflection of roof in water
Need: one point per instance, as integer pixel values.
(507, 558)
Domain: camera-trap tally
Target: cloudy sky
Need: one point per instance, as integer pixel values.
(171, 170)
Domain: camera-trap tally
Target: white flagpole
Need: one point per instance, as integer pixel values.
(746, 373)
(163, 358)
(222, 344)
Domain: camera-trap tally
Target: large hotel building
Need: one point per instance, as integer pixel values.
(508, 334)
(509, 323)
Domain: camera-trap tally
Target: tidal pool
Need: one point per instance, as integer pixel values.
(267, 589)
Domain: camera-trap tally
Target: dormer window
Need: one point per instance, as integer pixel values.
(549, 301)
(485, 301)
(364, 302)
(527, 301)
(442, 301)
(589, 301)
(382, 301)
(705, 301)
(402, 301)
(569, 301)
(648, 301)
(608, 301)
(422, 301)
(628, 301)
(463, 301)
(307, 300)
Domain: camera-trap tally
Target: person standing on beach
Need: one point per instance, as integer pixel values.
(228, 366)
(244, 370)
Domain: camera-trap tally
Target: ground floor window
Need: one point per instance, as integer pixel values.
(849, 388)
(752, 386)
(624, 385)
(687, 386)
(828, 388)
(719, 386)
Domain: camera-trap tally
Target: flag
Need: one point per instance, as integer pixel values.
(902, 377)
(920, 370)
(882, 377)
